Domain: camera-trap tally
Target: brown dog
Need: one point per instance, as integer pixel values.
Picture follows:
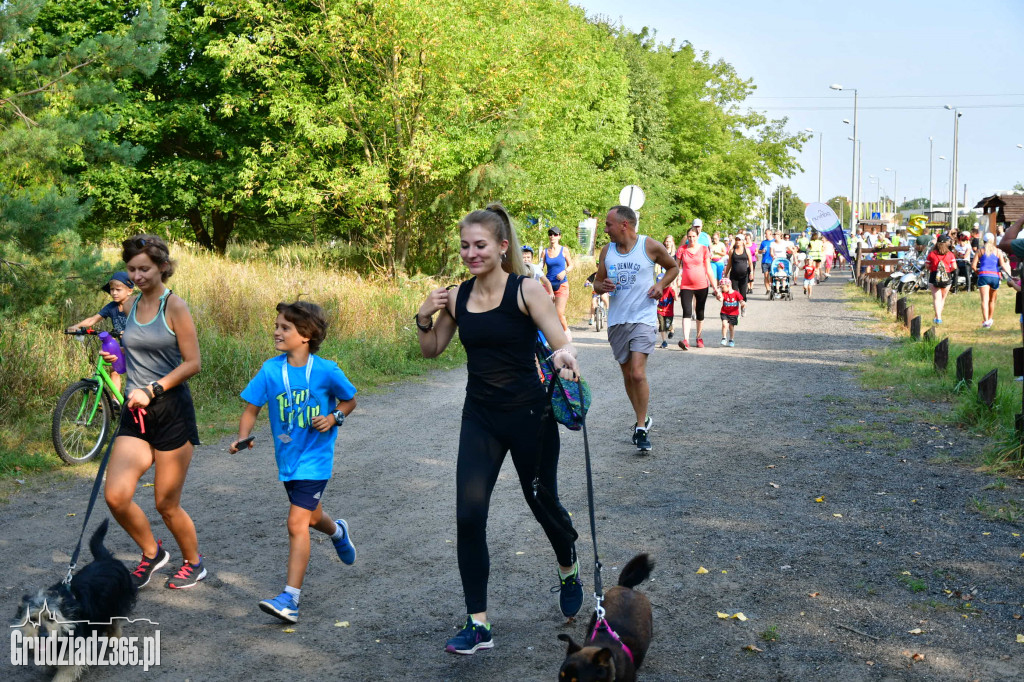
(628, 615)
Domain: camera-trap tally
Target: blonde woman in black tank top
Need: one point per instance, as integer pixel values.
(498, 313)
(159, 429)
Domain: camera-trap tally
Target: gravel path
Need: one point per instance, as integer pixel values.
(834, 519)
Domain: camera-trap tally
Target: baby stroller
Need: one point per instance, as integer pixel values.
(782, 279)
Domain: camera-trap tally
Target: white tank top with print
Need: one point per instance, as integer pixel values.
(633, 274)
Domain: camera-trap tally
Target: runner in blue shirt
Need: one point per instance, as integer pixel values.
(309, 397)
(766, 258)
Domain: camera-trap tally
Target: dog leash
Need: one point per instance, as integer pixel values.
(73, 564)
(598, 589)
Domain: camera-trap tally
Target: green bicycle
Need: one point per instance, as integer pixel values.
(81, 420)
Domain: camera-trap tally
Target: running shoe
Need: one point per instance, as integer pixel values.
(470, 639)
(346, 550)
(683, 344)
(700, 342)
(938, 320)
(732, 344)
(570, 593)
(591, 323)
(641, 441)
(282, 606)
(187, 576)
(671, 334)
(724, 341)
(664, 344)
(144, 571)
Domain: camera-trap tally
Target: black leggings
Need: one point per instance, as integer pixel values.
(487, 435)
(739, 283)
(687, 296)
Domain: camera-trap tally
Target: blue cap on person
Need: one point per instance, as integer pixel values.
(122, 277)
(527, 248)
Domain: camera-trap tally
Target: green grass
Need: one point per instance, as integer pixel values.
(872, 435)
(770, 634)
(905, 367)
(913, 584)
(1009, 510)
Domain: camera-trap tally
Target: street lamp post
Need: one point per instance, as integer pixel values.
(895, 201)
(812, 131)
(872, 179)
(931, 150)
(854, 185)
(954, 209)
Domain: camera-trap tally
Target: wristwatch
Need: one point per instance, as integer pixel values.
(156, 389)
(339, 417)
(423, 328)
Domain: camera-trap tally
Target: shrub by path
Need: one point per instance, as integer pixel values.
(834, 519)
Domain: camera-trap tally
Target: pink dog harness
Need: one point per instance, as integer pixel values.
(602, 623)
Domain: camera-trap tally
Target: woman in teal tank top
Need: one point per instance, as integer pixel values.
(158, 426)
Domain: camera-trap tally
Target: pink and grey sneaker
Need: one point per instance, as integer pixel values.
(684, 345)
(187, 576)
(144, 571)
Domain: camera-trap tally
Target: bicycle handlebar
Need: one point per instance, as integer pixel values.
(91, 332)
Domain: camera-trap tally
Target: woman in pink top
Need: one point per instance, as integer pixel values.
(695, 277)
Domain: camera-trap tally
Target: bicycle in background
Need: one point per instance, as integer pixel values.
(82, 418)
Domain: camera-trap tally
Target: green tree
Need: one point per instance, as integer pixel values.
(918, 204)
(58, 97)
(792, 210)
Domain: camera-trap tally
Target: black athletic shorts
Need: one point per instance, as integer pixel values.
(731, 319)
(168, 423)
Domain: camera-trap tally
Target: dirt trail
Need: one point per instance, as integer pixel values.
(746, 440)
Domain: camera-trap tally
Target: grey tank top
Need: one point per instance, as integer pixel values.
(150, 350)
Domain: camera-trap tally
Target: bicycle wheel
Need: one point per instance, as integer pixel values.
(80, 425)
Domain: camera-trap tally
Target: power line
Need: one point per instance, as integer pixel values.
(878, 96)
(930, 106)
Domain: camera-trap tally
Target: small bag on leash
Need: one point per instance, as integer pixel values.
(570, 400)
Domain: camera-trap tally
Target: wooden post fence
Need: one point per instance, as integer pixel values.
(915, 327)
(908, 315)
(987, 387)
(901, 308)
(965, 366)
(942, 355)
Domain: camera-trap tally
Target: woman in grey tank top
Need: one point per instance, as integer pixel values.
(158, 424)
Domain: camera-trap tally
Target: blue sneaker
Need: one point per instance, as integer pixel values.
(470, 639)
(570, 593)
(282, 606)
(346, 550)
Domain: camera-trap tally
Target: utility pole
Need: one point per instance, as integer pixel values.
(931, 147)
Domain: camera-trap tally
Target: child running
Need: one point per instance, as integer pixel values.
(810, 272)
(666, 313)
(119, 288)
(300, 387)
(732, 305)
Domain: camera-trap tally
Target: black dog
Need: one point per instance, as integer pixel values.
(100, 594)
(627, 616)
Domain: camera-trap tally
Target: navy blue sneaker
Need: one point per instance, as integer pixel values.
(282, 606)
(570, 593)
(470, 639)
(346, 550)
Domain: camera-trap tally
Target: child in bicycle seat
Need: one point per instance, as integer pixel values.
(120, 289)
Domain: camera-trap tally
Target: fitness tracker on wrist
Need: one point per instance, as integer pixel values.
(339, 417)
(423, 328)
(156, 389)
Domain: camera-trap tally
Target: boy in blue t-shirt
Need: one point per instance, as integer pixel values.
(119, 287)
(301, 389)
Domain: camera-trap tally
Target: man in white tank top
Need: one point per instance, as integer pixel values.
(627, 273)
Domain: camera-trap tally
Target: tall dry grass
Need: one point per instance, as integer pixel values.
(233, 304)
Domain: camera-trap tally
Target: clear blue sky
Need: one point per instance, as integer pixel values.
(943, 52)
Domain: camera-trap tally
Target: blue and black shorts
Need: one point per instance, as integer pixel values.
(305, 493)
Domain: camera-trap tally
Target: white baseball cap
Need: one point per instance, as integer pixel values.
(989, 237)
(697, 222)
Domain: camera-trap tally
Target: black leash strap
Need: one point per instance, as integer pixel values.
(73, 564)
(598, 589)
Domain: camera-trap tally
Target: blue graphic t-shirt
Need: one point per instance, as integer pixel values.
(308, 455)
(765, 246)
(112, 312)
